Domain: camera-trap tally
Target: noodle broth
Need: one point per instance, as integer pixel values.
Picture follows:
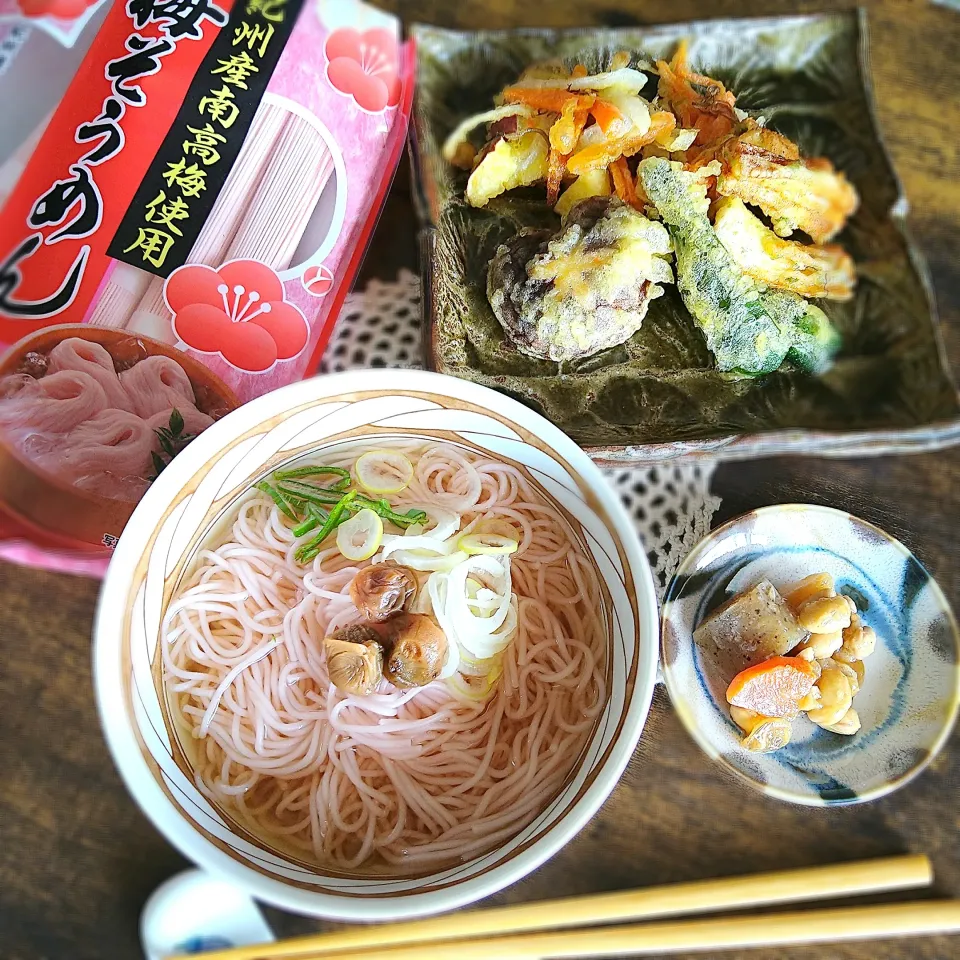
(400, 781)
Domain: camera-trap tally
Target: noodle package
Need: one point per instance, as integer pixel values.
(201, 199)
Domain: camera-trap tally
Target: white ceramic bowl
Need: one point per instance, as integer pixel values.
(206, 479)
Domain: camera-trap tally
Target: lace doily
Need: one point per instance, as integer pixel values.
(671, 505)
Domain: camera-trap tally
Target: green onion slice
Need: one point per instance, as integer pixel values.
(337, 515)
(283, 505)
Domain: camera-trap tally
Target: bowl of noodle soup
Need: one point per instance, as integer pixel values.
(331, 755)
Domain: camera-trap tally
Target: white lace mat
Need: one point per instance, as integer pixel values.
(671, 504)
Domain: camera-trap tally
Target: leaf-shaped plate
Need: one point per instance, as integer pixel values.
(658, 396)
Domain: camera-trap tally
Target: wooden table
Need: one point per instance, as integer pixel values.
(77, 859)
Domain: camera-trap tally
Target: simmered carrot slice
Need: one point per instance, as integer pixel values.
(774, 687)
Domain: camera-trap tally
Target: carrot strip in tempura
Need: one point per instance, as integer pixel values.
(556, 165)
(623, 183)
(606, 114)
(603, 154)
(551, 100)
(567, 128)
(698, 101)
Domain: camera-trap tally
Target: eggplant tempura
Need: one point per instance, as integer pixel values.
(583, 289)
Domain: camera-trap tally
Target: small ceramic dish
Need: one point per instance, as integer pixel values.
(53, 510)
(911, 689)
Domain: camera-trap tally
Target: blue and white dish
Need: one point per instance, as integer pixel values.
(911, 690)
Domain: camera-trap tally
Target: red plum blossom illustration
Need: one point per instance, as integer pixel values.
(238, 312)
(364, 66)
(318, 281)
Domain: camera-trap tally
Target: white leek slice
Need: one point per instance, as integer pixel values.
(476, 632)
(421, 602)
(436, 593)
(430, 601)
(484, 647)
(491, 544)
(626, 79)
(480, 597)
(421, 560)
(422, 552)
(359, 537)
(384, 471)
(423, 543)
(591, 136)
(495, 575)
(635, 112)
(452, 663)
(441, 523)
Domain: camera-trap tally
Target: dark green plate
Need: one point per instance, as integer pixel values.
(658, 396)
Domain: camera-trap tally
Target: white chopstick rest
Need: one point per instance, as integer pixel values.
(194, 912)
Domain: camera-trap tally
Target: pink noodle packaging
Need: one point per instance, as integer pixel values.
(210, 181)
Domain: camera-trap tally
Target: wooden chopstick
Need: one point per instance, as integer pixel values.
(703, 896)
(727, 933)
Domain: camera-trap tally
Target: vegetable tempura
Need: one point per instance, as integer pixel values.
(729, 190)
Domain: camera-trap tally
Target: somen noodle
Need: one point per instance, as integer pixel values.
(415, 777)
(96, 421)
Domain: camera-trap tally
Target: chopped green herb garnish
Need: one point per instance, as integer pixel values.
(337, 515)
(301, 497)
(309, 493)
(383, 508)
(315, 517)
(283, 505)
(298, 473)
(172, 440)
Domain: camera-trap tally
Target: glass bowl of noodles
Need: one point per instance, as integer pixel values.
(377, 648)
(88, 416)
